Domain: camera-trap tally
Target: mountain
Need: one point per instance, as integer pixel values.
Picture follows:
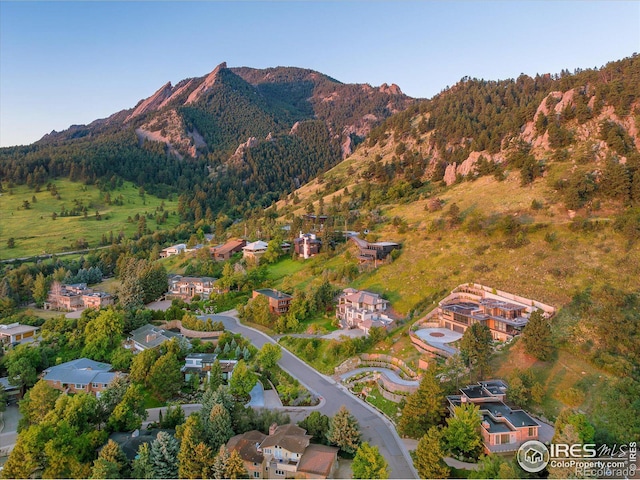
(229, 141)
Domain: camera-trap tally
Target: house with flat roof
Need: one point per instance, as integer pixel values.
(254, 250)
(373, 252)
(363, 310)
(200, 364)
(279, 302)
(503, 313)
(17, 333)
(224, 252)
(285, 453)
(503, 428)
(81, 375)
(150, 336)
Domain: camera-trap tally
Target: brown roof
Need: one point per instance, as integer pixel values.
(290, 437)
(229, 246)
(318, 459)
(246, 445)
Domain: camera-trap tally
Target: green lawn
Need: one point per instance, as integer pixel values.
(35, 232)
(389, 408)
(284, 268)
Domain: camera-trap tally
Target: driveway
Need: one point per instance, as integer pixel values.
(375, 429)
(8, 434)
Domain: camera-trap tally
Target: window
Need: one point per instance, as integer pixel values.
(256, 474)
(95, 385)
(280, 472)
(532, 431)
(79, 385)
(504, 438)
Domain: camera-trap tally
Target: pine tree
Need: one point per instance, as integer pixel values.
(424, 408)
(429, 455)
(235, 467)
(142, 466)
(113, 454)
(476, 346)
(368, 463)
(220, 463)
(192, 464)
(218, 429)
(344, 431)
(536, 336)
(164, 456)
(104, 469)
(165, 377)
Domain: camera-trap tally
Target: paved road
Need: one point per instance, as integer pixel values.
(390, 374)
(10, 421)
(375, 429)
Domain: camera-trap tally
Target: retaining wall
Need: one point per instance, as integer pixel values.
(173, 324)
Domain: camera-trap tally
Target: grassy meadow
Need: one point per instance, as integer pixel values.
(36, 232)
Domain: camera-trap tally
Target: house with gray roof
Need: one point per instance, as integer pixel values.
(363, 310)
(150, 336)
(81, 375)
(503, 428)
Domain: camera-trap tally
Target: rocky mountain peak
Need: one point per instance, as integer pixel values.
(206, 84)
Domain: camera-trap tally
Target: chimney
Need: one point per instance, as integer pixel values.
(272, 428)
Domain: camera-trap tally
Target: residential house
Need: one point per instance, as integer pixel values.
(201, 363)
(81, 375)
(16, 333)
(173, 250)
(505, 314)
(224, 252)
(150, 336)
(363, 310)
(503, 429)
(254, 250)
(279, 302)
(373, 252)
(76, 297)
(185, 288)
(285, 453)
(12, 391)
(97, 300)
(307, 245)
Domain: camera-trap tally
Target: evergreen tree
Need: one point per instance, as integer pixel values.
(235, 467)
(142, 466)
(129, 413)
(40, 289)
(476, 346)
(429, 455)
(424, 408)
(215, 376)
(344, 431)
(220, 463)
(317, 425)
(113, 454)
(192, 434)
(164, 456)
(218, 429)
(536, 336)
(104, 469)
(142, 364)
(368, 463)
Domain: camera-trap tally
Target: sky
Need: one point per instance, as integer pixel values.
(65, 63)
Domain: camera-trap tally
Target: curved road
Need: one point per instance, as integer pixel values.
(375, 429)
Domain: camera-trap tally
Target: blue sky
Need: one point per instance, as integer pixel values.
(64, 63)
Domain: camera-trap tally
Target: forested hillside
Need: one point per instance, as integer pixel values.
(222, 142)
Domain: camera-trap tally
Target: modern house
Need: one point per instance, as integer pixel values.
(75, 297)
(503, 429)
(363, 310)
(254, 250)
(224, 252)
(150, 336)
(16, 333)
(82, 375)
(279, 302)
(173, 250)
(200, 364)
(285, 453)
(307, 245)
(505, 314)
(185, 288)
(373, 252)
